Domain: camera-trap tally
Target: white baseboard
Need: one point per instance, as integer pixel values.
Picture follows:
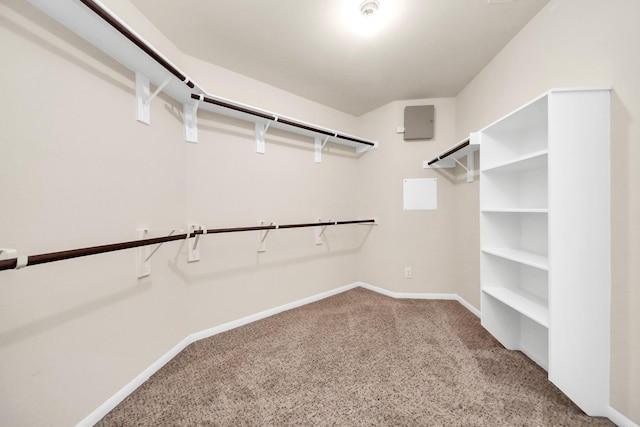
(112, 402)
(267, 313)
(401, 295)
(620, 420)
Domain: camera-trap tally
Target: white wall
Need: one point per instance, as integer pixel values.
(422, 240)
(78, 170)
(75, 173)
(72, 157)
(580, 43)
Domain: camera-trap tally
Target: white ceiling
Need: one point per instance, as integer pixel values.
(316, 49)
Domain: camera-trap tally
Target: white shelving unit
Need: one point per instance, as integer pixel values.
(545, 238)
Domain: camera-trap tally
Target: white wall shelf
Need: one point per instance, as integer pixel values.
(514, 210)
(528, 162)
(545, 238)
(528, 304)
(92, 21)
(523, 257)
(451, 157)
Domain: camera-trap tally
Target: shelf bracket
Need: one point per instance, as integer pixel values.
(449, 159)
(319, 146)
(261, 131)
(144, 97)
(157, 91)
(191, 120)
(469, 168)
(143, 92)
(451, 163)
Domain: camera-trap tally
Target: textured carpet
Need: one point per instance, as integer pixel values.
(358, 358)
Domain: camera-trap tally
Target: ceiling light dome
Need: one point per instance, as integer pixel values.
(369, 7)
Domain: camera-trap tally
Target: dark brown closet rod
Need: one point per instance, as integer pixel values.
(11, 263)
(450, 152)
(136, 40)
(272, 117)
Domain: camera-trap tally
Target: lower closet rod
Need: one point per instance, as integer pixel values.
(12, 263)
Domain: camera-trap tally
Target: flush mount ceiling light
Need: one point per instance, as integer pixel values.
(366, 18)
(369, 7)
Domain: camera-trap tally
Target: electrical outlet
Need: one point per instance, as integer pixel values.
(408, 273)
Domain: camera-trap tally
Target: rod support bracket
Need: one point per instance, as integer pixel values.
(143, 255)
(319, 146)
(143, 92)
(262, 244)
(319, 233)
(190, 111)
(261, 132)
(193, 251)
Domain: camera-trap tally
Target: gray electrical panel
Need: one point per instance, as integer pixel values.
(418, 122)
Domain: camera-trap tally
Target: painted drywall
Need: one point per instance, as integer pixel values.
(422, 239)
(580, 43)
(78, 170)
(72, 158)
(228, 184)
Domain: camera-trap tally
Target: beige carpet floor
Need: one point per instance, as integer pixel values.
(354, 359)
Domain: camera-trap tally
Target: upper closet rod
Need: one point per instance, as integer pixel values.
(137, 41)
(24, 261)
(270, 116)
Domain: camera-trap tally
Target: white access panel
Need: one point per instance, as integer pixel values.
(420, 194)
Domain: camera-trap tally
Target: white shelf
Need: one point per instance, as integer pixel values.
(450, 158)
(447, 159)
(522, 257)
(526, 304)
(528, 162)
(515, 210)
